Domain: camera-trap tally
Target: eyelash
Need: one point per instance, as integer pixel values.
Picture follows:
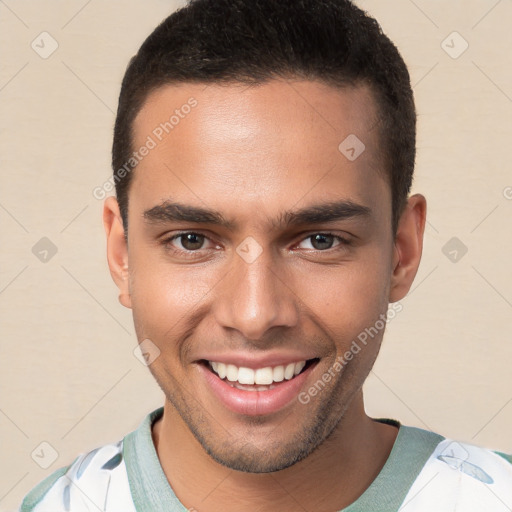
(167, 243)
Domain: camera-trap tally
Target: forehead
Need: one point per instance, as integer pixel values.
(255, 148)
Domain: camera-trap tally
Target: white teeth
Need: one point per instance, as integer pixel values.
(264, 376)
(299, 366)
(247, 377)
(278, 374)
(232, 372)
(244, 387)
(289, 371)
(221, 370)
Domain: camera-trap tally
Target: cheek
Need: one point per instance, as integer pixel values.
(165, 297)
(348, 299)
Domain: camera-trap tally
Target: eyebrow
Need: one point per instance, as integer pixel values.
(168, 211)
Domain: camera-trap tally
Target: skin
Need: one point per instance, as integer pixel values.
(251, 153)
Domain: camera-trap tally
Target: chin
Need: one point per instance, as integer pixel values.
(252, 460)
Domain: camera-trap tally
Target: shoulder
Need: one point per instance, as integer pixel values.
(477, 463)
(95, 480)
(463, 476)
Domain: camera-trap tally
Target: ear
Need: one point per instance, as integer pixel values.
(408, 246)
(117, 249)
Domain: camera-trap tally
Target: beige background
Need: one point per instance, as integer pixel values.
(68, 376)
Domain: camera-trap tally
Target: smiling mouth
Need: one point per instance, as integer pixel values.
(259, 379)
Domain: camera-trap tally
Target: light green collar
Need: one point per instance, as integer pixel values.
(152, 493)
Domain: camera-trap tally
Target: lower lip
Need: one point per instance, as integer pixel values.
(254, 403)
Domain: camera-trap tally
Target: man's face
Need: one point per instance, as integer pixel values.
(265, 289)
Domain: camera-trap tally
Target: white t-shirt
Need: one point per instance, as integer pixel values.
(424, 473)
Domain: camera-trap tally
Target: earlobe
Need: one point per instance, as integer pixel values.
(408, 247)
(117, 249)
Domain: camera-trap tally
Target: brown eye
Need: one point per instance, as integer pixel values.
(189, 244)
(321, 241)
(191, 241)
(324, 242)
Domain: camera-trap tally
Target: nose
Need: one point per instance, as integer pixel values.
(255, 297)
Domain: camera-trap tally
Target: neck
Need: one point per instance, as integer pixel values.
(331, 478)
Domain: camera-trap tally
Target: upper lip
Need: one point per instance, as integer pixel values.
(255, 362)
